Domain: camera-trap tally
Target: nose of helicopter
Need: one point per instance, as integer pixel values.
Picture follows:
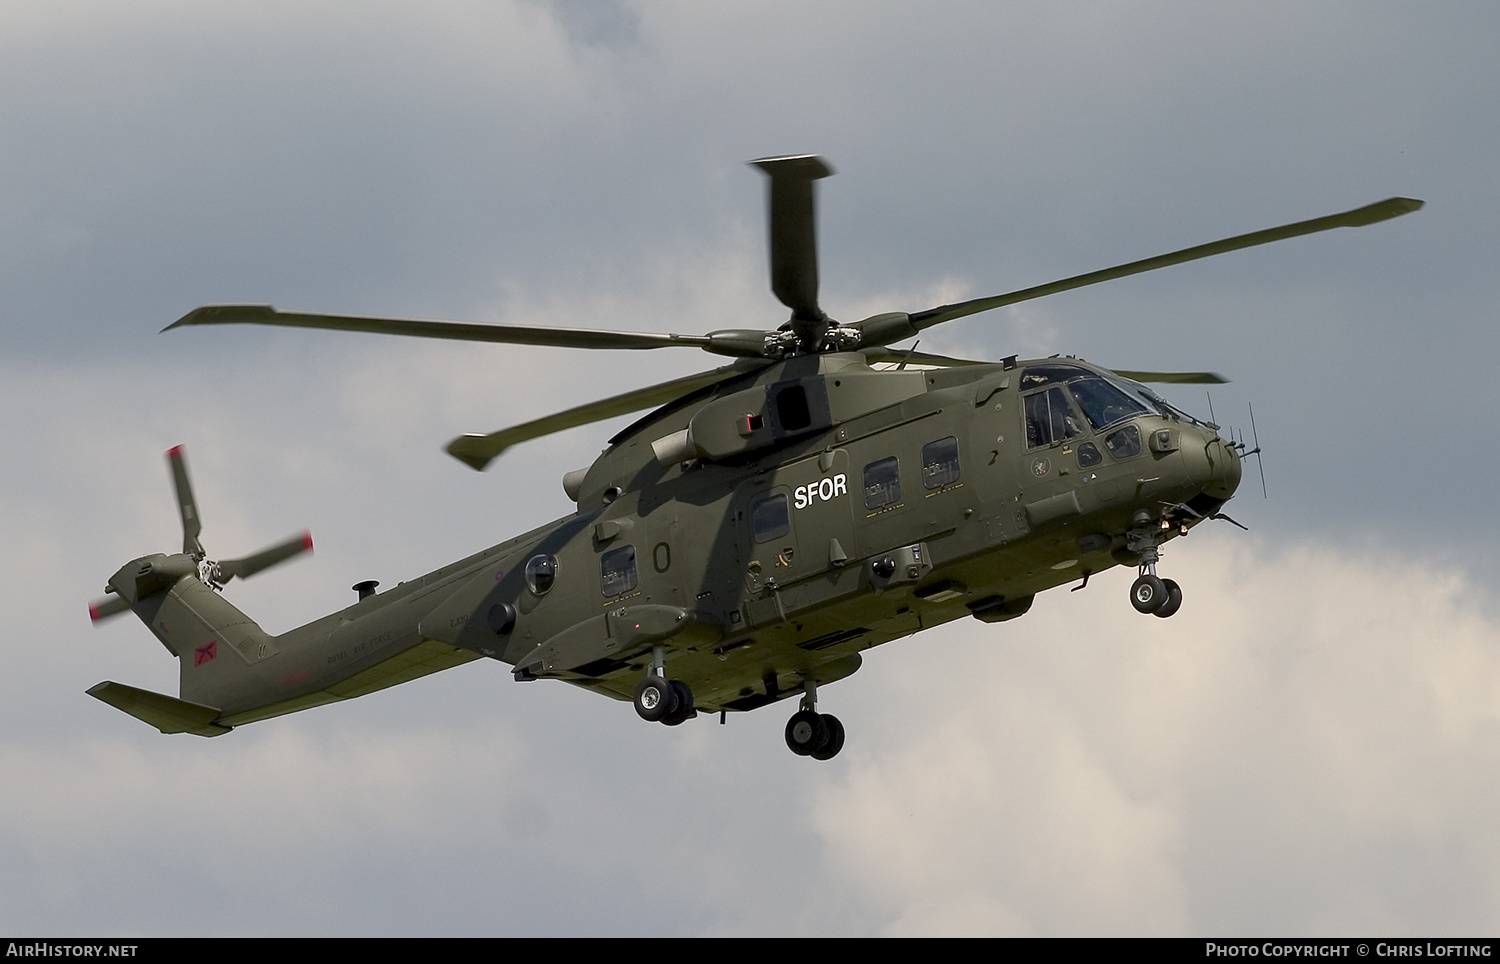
(1211, 463)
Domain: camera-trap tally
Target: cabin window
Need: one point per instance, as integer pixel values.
(1124, 443)
(617, 570)
(541, 573)
(882, 483)
(1088, 454)
(940, 463)
(769, 518)
(1049, 418)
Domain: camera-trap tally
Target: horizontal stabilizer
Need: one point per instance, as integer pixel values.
(166, 713)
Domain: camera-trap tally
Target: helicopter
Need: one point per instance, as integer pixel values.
(765, 523)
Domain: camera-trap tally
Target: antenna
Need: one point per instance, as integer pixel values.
(1256, 451)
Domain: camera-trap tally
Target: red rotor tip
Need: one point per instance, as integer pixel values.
(175, 452)
(307, 540)
(93, 612)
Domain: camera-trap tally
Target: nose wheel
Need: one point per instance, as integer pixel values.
(1159, 597)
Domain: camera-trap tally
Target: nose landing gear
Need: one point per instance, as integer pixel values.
(1150, 593)
(814, 734)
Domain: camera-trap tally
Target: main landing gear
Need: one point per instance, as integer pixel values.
(661, 700)
(814, 734)
(670, 701)
(1149, 593)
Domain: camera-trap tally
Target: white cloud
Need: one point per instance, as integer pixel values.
(1310, 722)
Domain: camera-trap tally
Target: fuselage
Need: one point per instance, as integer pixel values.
(763, 533)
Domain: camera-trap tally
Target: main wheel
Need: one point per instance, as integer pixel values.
(1172, 603)
(806, 733)
(1147, 594)
(683, 710)
(654, 699)
(835, 739)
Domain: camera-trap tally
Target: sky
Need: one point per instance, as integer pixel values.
(1308, 748)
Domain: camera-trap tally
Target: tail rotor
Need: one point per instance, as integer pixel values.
(151, 574)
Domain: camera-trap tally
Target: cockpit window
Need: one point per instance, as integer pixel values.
(1104, 403)
(1163, 407)
(1105, 400)
(1124, 443)
(1038, 375)
(1049, 418)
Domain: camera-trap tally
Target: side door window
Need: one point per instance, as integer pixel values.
(940, 463)
(770, 519)
(617, 572)
(882, 483)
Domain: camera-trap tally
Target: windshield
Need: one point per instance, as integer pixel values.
(1103, 401)
(1104, 397)
(1161, 405)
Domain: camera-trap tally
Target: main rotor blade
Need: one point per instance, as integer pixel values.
(1174, 378)
(247, 566)
(186, 507)
(456, 330)
(1359, 217)
(793, 236)
(887, 355)
(477, 451)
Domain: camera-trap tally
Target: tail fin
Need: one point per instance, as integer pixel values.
(177, 597)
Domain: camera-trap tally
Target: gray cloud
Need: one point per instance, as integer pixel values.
(1304, 749)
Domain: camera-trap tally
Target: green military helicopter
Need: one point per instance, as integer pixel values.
(752, 535)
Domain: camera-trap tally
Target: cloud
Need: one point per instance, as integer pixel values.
(1306, 747)
(1291, 754)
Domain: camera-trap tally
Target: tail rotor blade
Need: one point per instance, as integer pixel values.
(247, 566)
(191, 525)
(113, 605)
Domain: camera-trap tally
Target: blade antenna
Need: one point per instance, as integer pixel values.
(1256, 451)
